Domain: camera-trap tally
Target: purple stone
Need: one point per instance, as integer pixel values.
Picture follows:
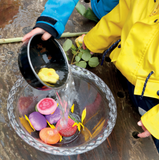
(38, 121)
(53, 118)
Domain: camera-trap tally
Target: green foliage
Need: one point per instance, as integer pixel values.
(93, 62)
(82, 64)
(87, 13)
(81, 57)
(67, 45)
(80, 54)
(80, 8)
(77, 58)
(86, 54)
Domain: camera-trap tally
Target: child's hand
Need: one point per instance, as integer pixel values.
(144, 134)
(45, 35)
(84, 47)
(80, 40)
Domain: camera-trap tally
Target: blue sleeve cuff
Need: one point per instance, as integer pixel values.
(47, 28)
(52, 26)
(55, 16)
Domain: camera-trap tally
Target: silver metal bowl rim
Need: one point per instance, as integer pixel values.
(31, 66)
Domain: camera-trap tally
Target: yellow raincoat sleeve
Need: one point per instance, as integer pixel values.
(108, 29)
(151, 121)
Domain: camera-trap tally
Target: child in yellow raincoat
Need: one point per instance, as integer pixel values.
(136, 23)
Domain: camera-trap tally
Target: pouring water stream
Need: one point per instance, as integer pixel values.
(66, 96)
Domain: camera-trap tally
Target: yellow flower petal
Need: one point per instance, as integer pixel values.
(83, 115)
(25, 124)
(82, 125)
(72, 108)
(60, 138)
(29, 122)
(51, 125)
(75, 124)
(79, 127)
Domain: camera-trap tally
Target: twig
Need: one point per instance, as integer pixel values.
(68, 34)
(19, 39)
(11, 40)
(75, 54)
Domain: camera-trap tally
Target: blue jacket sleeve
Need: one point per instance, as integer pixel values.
(103, 7)
(55, 16)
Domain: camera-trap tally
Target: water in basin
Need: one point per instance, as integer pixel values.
(92, 94)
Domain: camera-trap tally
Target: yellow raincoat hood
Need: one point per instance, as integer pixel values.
(137, 23)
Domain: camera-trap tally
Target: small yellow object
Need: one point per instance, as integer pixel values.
(78, 125)
(79, 40)
(72, 108)
(48, 75)
(83, 115)
(51, 125)
(25, 124)
(29, 122)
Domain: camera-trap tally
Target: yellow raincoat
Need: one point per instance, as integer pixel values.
(136, 22)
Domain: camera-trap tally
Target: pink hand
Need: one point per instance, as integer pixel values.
(144, 134)
(84, 47)
(45, 36)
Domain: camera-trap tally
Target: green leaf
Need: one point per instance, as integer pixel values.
(93, 62)
(73, 47)
(80, 45)
(67, 45)
(77, 58)
(74, 52)
(86, 55)
(80, 54)
(89, 14)
(82, 64)
(80, 8)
